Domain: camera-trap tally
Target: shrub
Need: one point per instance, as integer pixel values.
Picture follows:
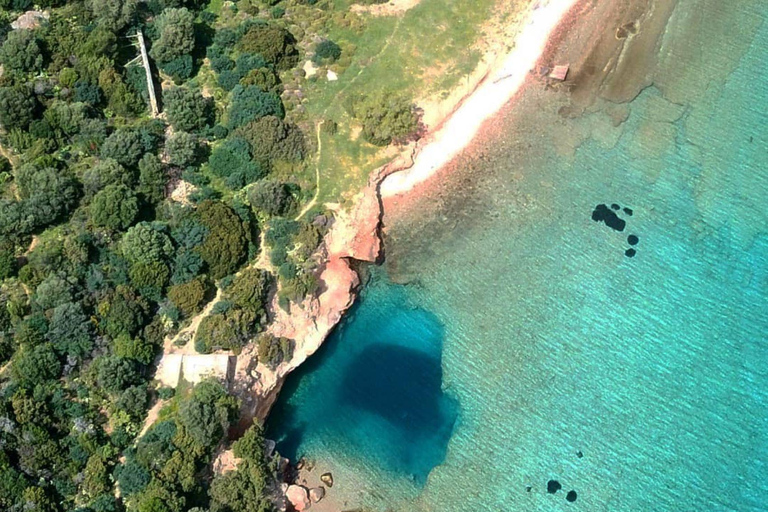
(272, 351)
(224, 331)
(251, 103)
(189, 297)
(326, 51)
(125, 146)
(20, 51)
(272, 139)
(115, 207)
(274, 43)
(271, 197)
(387, 117)
(183, 149)
(186, 109)
(225, 246)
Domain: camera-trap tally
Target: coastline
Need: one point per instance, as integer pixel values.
(497, 88)
(355, 236)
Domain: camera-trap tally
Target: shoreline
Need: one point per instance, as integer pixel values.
(498, 87)
(356, 234)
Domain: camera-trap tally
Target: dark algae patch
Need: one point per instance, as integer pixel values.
(553, 486)
(604, 214)
(571, 496)
(610, 217)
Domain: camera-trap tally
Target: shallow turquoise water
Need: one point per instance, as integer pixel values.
(550, 341)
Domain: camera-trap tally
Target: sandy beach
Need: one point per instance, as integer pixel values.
(492, 94)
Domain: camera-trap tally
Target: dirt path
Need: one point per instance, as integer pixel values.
(152, 415)
(170, 347)
(313, 202)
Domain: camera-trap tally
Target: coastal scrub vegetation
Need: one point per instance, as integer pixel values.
(118, 228)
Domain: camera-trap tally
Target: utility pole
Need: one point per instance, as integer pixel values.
(150, 83)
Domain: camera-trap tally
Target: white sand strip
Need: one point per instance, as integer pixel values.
(484, 102)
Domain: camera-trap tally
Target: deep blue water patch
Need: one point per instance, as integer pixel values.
(374, 390)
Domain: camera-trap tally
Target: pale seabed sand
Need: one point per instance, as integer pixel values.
(496, 91)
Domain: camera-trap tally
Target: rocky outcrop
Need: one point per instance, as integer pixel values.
(353, 237)
(327, 479)
(316, 494)
(298, 497)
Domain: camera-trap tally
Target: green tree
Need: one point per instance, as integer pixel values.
(326, 51)
(70, 330)
(387, 117)
(114, 374)
(123, 145)
(95, 477)
(113, 15)
(272, 42)
(122, 312)
(232, 160)
(138, 349)
(143, 243)
(35, 365)
(17, 107)
(272, 139)
(249, 289)
(152, 179)
(105, 172)
(225, 245)
(246, 487)
(186, 109)
(251, 103)
(150, 278)
(205, 416)
(272, 351)
(188, 297)
(271, 198)
(183, 149)
(115, 207)
(21, 52)
(177, 34)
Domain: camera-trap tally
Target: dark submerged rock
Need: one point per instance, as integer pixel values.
(632, 239)
(630, 253)
(553, 486)
(628, 211)
(571, 496)
(579, 454)
(603, 214)
(615, 206)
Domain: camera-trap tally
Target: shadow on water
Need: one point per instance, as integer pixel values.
(373, 391)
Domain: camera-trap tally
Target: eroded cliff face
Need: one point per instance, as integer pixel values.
(354, 237)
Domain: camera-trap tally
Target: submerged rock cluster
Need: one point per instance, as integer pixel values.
(610, 217)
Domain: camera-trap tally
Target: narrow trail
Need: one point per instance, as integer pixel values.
(313, 202)
(170, 347)
(383, 49)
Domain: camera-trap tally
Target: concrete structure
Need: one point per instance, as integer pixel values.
(193, 368)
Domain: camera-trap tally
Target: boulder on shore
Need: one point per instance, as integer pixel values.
(316, 494)
(298, 497)
(327, 479)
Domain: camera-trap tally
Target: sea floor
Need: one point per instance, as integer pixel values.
(509, 340)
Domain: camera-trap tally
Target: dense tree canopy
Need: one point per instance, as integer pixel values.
(21, 51)
(272, 42)
(115, 207)
(186, 109)
(386, 117)
(17, 107)
(176, 34)
(225, 245)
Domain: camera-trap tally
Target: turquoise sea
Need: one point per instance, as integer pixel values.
(508, 340)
